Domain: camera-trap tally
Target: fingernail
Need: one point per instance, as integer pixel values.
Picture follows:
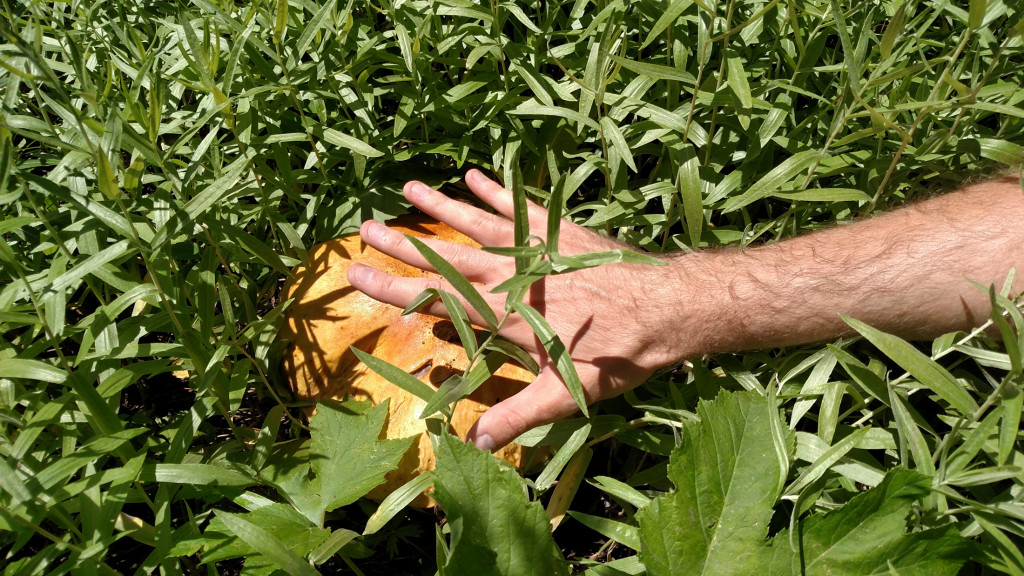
(418, 191)
(361, 273)
(484, 442)
(375, 231)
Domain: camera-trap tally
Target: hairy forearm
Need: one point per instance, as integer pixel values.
(905, 272)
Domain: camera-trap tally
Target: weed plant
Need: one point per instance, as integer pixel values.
(164, 164)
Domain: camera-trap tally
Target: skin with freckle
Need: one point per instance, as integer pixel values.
(328, 316)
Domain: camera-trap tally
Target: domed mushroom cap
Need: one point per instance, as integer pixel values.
(329, 316)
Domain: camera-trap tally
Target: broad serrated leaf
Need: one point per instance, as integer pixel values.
(495, 530)
(716, 521)
(345, 452)
(868, 536)
(727, 480)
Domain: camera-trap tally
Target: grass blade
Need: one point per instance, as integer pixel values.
(556, 350)
(395, 375)
(268, 545)
(458, 281)
(921, 367)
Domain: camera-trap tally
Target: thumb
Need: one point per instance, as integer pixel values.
(544, 401)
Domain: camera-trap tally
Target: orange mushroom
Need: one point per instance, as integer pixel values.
(329, 315)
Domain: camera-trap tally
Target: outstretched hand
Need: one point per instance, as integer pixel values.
(611, 318)
(620, 322)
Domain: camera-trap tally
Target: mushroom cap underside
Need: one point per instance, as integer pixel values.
(329, 316)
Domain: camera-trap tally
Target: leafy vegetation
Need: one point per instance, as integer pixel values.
(163, 165)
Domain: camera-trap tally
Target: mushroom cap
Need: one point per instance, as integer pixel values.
(329, 316)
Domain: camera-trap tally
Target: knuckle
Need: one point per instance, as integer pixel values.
(513, 421)
(436, 284)
(484, 222)
(385, 282)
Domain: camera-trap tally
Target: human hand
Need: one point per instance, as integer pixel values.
(612, 319)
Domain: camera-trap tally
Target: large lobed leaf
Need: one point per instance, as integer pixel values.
(345, 455)
(868, 536)
(727, 480)
(495, 529)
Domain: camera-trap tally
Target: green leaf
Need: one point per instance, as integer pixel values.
(314, 25)
(1009, 425)
(892, 31)
(727, 480)
(921, 367)
(667, 18)
(133, 176)
(556, 350)
(345, 453)
(691, 192)
(280, 20)
(288, 470)
(267, 544)
(395, 375)
(91, 265)
(618, 531)
(861, 374)
(457, 280)
(1002, 151)
(266, 437)
(31, 370)
(397, 501)
(612, 132)
(656, 71)
(620, 490)
(495, 530)
(825, 461)
(740, 89)
(774, 179)
(352, 143)
(456, 311)
(869, 536)
(105, 176)
(197, 474)
(293, 530)
(976, 14)
(514, 352)
(561, 264)
(459, 386)
(825, 195)
(216, 191)
(554, 467)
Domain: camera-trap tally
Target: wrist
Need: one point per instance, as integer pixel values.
(693, 303)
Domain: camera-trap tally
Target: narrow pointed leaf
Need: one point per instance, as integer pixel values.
(557, 351)
(457, 280)
(921, 367)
